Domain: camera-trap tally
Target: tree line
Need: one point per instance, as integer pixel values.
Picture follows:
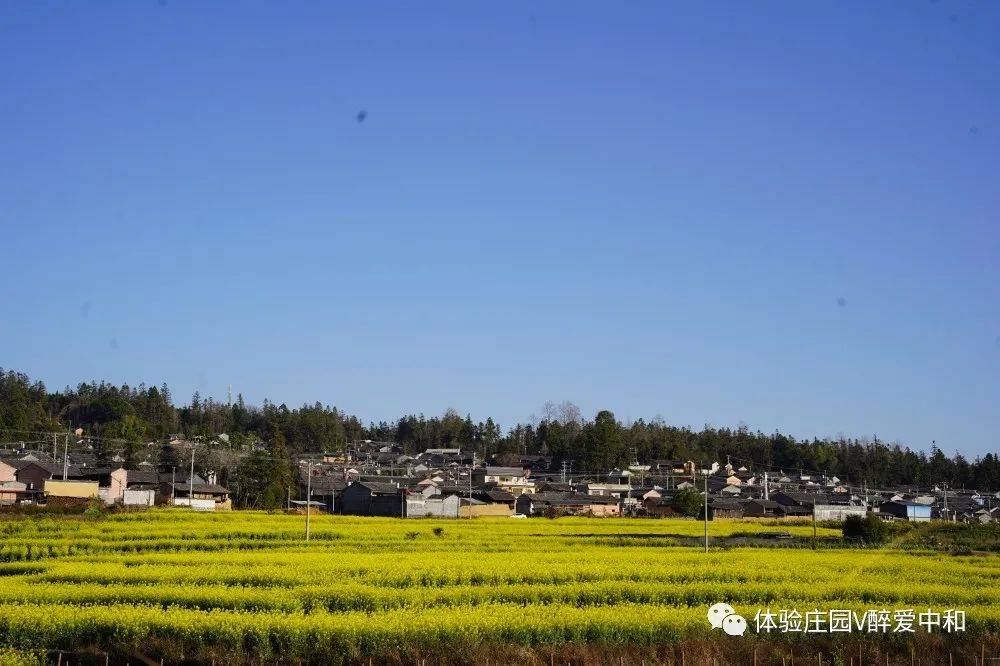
(141, 414)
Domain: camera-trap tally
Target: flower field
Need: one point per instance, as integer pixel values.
(244, 586)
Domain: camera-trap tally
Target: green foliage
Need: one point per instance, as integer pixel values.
(689, 502)
(953, 537)
(10, 657)
(132, 415)
(870, 530)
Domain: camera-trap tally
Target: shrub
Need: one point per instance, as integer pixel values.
(869, 530)
(689, 502)
(94, 510)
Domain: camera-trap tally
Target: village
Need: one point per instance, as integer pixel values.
(377, 479)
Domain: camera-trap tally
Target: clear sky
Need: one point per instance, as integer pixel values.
(780, 213)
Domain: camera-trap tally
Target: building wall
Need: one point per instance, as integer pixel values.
(357, 501)
(196, 504)
(81, 489)
(837, 512)
(447, 507)
(34, 477)
(603, 510)
(478, 510)
(138, 497)
(7, 473)
(118, 482)
(8, 492)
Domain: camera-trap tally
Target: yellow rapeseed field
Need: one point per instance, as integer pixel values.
(175, 583)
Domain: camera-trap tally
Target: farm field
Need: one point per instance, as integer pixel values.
(244, 586)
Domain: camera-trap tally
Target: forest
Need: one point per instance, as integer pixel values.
(140, 414)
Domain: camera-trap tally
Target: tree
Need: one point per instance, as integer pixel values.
(603, 442)
(132, 430)
(869, 530)
(167, 457)
(689, 502)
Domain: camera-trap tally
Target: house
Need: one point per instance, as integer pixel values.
(567, 504)
(142, 479)
(32, 474)
(796, 499)
(552, 487)
(325, 490)
(473, 508)
(12, 492)
(201, 495)
(761, 508)
(642, 494)
(660, 507)
(495, 496)
(622, 477)
(73, 489)
(371, 498)
(838, 511)
(489, 503)
(142, 487)
(443, 452)
(618, 490)
(674, 467)
(984, 516)
(111, 480)
(724, 508)
(436, 506)
(500, 475)
(512, 479)
(792, 511)
(905, 510)
(7, 471)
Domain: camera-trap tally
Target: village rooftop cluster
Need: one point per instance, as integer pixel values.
(377, 479)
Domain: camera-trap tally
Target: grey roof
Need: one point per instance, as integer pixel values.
(142, 476)
(379, 488)
(212, 488)
(569, 499)
(504, 471)
(496, 495)
(905, 503)
(327, 483)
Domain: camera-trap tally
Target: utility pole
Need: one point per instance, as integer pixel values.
(191, 480)
(814, 522)
(65, 457)
(309, 485)
(54, 447)
(563, 478)
(470, 485)
(706, 511)
(767, 495)
(173, 474)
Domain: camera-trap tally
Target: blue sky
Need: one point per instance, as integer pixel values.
(783, 214)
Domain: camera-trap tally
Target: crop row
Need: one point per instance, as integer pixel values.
(331, 636)
(358, 597)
